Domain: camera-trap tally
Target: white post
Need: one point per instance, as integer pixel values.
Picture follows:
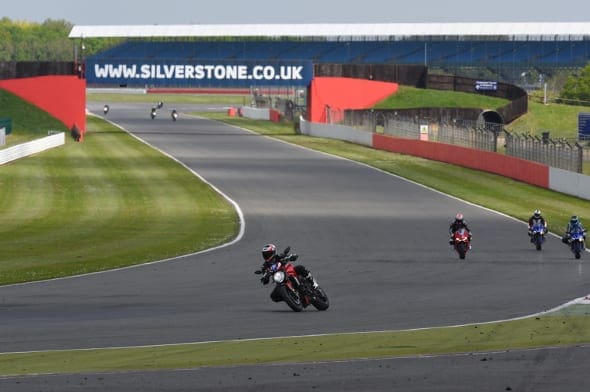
(545, 94)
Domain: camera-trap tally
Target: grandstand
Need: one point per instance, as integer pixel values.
(466, 53)
(503, 51)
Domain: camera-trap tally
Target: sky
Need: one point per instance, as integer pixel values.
(170, 12)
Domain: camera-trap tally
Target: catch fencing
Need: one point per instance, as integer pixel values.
(557, 153)
(481, 135)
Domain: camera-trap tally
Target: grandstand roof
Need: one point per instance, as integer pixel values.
(546, 30)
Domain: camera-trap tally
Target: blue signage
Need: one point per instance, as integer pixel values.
(583, 125)
(184, 73)
(485, 85)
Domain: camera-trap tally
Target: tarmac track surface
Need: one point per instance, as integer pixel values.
(375, 242)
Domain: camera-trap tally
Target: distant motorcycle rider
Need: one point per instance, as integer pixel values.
(574, 225)
(535, 219)
(271, 256)
(458, 223)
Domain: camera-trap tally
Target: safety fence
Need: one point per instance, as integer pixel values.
(557, 153)
(474, 134)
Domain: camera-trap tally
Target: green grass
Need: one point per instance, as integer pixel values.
(559, 120)
(549, 330)
(411, 97)
(108, 202)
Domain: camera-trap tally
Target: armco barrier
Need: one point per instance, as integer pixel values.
(30, 148)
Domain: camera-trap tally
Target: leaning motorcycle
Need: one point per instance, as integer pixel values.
(461, 242)
(289, 287)
(576, 242)
(538, 235)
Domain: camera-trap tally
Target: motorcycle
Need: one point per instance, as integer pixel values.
(538, 235)
(174, 115)
(153, 113)
(105, 109)
(576, 242)
(297, 292)
(461, 242)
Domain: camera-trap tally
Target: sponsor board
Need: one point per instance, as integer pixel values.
(486, 85)
(218, 74)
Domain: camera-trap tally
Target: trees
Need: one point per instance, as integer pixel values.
(26, 41)
(576, 89)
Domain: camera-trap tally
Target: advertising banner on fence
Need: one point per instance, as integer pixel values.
(183, 73)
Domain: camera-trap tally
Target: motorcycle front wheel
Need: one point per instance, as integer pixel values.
(577, 248)
(291, 298)
(461, 249)
(538, 240)
(320, 299)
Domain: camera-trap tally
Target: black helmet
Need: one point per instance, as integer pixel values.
(537, 213)
(269, 251)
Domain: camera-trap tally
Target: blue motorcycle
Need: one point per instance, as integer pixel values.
(538, 235)
(576, 242)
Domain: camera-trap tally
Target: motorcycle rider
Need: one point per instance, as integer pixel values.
(270, 256)
(458, 223)
(573, 225)
(537, 218)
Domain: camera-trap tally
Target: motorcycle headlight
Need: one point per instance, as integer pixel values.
(279, 277)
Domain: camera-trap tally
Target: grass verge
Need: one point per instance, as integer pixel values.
(508, 335)
(102, 204)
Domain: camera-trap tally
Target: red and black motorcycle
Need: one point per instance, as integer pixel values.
(298, 292)
(461, 242)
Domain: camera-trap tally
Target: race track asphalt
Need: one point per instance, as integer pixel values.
(376, 243)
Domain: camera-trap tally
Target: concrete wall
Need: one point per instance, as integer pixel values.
(339, 132)
(255, 113)
(30, 148)
(568, 182)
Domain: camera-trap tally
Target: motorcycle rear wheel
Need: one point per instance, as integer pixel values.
(291, 298)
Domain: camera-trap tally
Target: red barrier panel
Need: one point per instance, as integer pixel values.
(519, 169)
(64, 97)
(275, 116)
(345, 93)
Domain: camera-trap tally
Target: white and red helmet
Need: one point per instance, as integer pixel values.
(459, 217)
(269, 251)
